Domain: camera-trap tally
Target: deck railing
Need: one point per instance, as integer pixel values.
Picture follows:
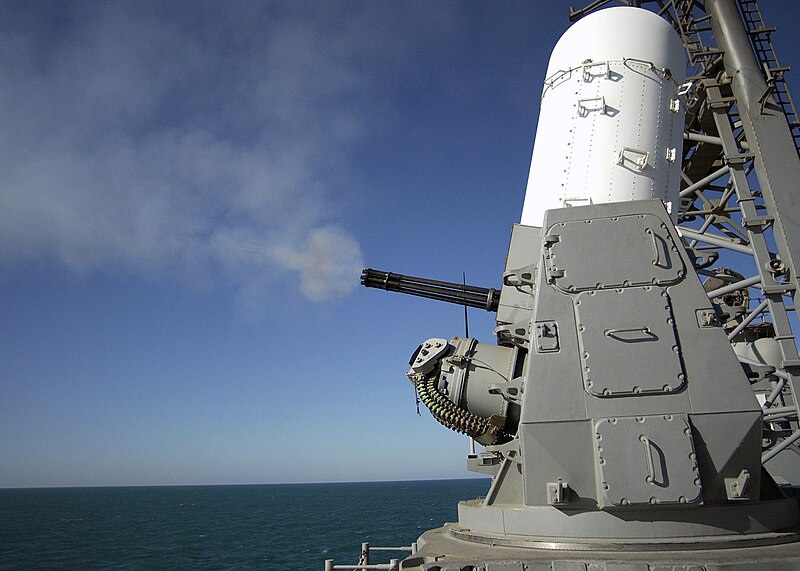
(364, 563)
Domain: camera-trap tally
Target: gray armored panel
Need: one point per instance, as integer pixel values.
(632, 352)
(646, 460)
(646, 253)
(628, 353)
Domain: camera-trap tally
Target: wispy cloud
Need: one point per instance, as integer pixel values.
(190, 140)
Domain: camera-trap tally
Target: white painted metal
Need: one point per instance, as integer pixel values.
(611, 120)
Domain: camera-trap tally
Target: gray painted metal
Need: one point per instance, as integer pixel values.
(667, 472)
(461, 553)
(672, 453)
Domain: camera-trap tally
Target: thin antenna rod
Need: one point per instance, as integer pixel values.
(466, 319)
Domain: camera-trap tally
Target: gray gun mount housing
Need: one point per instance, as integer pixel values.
(615, 410)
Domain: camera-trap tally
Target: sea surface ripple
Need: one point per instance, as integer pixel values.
(277, 526)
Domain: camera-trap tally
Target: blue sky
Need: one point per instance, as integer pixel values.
(188, 192)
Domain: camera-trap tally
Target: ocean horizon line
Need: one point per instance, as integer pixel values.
(237, 484)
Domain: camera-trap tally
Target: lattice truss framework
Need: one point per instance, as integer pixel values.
(728, 213)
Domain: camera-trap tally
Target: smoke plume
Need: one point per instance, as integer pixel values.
(198, 141)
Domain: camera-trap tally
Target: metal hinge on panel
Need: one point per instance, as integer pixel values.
(632, 158)
(557, 493)
(672, 154)
(596, 69)
(588, 104)
(546, 336)
(736, 488)
(551, 239)
(707, 318)
(674, 105)
(553, 274)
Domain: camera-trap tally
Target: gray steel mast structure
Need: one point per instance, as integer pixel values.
(617, 409)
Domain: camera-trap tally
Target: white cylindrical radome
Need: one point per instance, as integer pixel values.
(611, 118)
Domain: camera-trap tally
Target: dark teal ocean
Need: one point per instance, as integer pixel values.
(280, 527)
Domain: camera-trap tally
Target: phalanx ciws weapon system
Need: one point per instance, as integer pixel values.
(638, 410)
